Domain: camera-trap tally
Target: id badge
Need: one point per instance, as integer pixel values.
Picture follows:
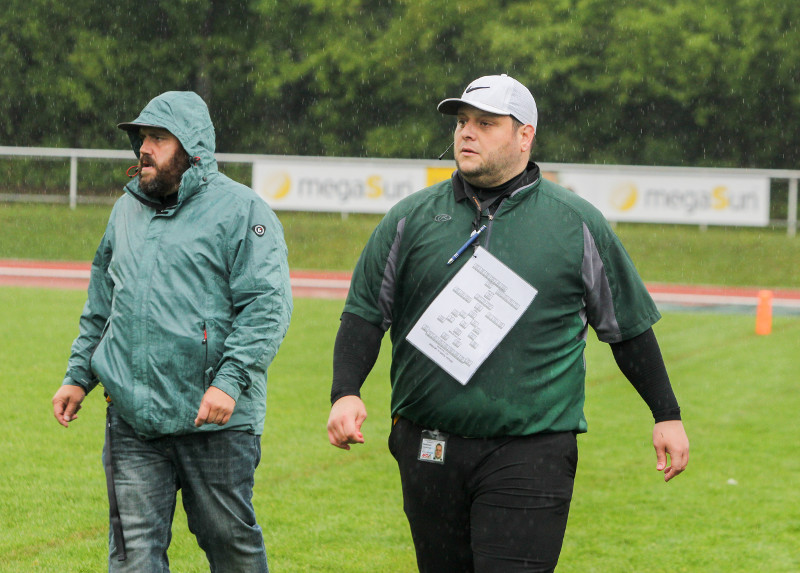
(432, 447)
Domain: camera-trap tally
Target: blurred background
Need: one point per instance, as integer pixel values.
(684, 83)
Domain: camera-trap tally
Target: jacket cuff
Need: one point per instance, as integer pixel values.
(69, 381)
(231, 390)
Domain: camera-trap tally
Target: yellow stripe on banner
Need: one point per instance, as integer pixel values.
(437, 174)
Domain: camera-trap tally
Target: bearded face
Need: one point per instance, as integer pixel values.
(162, 162)
(163, 179)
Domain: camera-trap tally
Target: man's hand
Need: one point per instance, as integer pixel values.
(670, 438)
(215, 408)
(66, 403)
(344, 422)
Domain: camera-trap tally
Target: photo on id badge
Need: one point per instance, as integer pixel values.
(432, 447)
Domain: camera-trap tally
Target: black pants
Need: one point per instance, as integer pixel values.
(494, 505)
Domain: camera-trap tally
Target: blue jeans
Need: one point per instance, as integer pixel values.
(214, 470)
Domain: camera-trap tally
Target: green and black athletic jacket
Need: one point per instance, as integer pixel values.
(534, 380)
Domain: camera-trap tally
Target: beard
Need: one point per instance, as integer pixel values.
(167, 178)
(497, 167)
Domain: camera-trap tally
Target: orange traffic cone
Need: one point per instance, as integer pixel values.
(764, 312)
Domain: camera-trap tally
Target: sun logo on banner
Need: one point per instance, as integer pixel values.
(624, 196)
(276, 185)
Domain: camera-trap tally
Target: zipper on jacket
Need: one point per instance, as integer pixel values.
(490, 224)
(496, 211)
(208, 371)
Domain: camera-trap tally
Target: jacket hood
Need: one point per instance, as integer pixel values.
(185, 115)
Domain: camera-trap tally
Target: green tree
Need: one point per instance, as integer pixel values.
(75, 70)
(645, 82)
(683, 83)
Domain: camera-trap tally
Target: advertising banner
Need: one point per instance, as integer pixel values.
(347, 185)
(341, 185)
(673, 198)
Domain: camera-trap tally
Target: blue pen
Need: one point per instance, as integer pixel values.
(463, 248)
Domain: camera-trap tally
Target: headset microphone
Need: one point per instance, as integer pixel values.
(448, 149)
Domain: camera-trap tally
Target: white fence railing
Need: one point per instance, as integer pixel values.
(572, 175)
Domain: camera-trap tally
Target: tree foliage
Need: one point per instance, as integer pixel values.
(713, 83)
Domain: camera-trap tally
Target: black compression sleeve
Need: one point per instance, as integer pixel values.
(640, 360)
(355, 351)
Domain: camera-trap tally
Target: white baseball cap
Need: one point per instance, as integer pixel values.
(501, 94)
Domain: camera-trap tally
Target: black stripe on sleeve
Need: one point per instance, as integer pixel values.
(639, 358)
(355, 351)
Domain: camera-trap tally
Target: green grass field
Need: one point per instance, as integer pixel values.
(736, 509)
(323, 509)
(326, 241)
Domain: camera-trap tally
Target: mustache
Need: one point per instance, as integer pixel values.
(146, 160)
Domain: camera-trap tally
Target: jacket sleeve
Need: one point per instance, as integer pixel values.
(262, 301)
(93, 318)
(618, 305)
(373, 284)
(355, 351)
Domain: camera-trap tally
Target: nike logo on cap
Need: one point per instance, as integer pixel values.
(472, 89)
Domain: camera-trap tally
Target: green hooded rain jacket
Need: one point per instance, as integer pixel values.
(186, 296)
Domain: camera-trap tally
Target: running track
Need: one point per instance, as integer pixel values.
(322, 284)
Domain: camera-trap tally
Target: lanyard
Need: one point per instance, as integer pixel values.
(481, 205)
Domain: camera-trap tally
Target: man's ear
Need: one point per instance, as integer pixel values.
(528, 132)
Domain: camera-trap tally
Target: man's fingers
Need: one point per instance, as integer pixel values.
(344, 422)
(202, 415)
(678, 463)
(661, 459)
(673, 470)
(58, 411)
(337, 434)
(216, 407)
(669, 439)
(72, 410)
(360, 417)
(63, 419)
(342, 432)
(338, 442)
(66, 404)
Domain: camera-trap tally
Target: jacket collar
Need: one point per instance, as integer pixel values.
(193, 181)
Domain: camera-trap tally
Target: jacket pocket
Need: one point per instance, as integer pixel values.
(208, 377)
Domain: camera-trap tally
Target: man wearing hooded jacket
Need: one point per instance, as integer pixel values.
(188, 302)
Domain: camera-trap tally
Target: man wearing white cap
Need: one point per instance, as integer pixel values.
(507, 413)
